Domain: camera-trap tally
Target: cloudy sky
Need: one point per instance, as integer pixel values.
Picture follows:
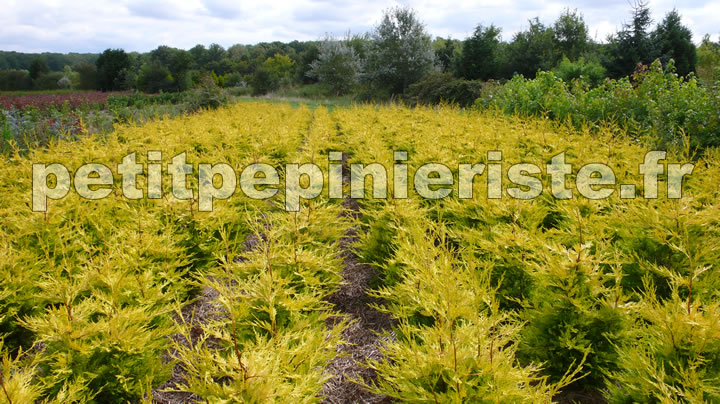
(142, 25)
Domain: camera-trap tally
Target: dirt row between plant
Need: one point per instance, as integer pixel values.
(363, 340)
(199, 312)
(362, 337)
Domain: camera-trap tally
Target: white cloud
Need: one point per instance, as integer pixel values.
(142, 25)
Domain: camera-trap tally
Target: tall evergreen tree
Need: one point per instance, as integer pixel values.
(632, 45)
(674, 41)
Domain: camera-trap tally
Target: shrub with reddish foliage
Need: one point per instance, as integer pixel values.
(44, 101)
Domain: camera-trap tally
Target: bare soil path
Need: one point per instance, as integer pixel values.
(366, 323)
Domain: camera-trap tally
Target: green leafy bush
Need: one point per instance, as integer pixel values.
(443, 87)
(655, 104)
(591, 73)
(208, 96)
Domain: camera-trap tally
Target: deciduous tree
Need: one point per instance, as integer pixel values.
(112, 66)
(401, 53)
(337, 66)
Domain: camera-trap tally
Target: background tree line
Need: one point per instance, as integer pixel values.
(396, 55)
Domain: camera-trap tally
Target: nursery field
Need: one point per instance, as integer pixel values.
(405, 299)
